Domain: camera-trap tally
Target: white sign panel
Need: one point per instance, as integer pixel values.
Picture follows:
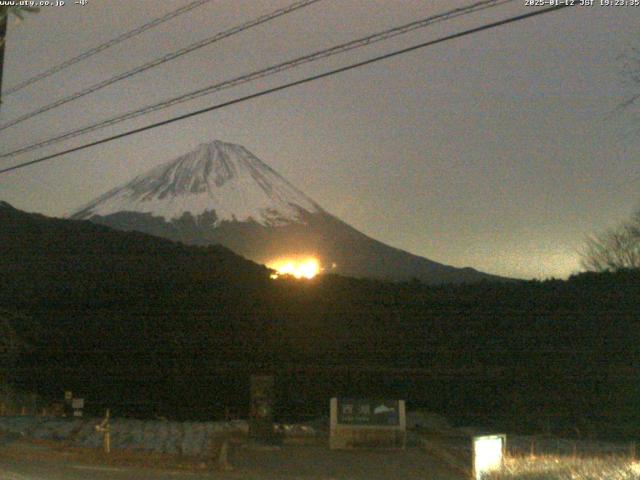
(77, 403)
(487, 454)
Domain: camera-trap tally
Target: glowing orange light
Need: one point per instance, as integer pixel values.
(307, 267)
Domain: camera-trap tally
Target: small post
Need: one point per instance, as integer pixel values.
(223, 457)
(532, 448)
(632, 451)
(105, 428)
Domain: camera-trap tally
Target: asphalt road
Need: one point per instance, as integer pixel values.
(24, 461)
(29, 470)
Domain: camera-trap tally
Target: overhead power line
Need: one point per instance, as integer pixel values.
(272, 70)
(114, 41)
(159, 61)
(312, 78)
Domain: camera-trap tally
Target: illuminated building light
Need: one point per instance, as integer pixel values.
(303, 267)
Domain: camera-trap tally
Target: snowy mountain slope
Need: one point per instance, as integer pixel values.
(217, 177)
(223, 194)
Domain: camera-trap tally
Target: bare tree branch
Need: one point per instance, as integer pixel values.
(615, 249)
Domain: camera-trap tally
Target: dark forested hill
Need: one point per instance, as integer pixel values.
(147, 326)
(76, 262)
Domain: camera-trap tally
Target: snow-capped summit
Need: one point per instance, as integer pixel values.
(219, 178)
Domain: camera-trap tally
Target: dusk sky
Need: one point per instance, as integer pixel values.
(500, 150)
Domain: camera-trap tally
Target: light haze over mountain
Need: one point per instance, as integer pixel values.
(220, 193)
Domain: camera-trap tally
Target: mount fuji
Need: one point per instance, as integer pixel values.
(221, 193)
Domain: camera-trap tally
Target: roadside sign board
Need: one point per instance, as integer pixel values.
(368, 412)
(367, 423)
(77, 403)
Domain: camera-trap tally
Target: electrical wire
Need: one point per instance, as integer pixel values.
(294, 83)
(272, 70)
(114, 41)
(159, 61)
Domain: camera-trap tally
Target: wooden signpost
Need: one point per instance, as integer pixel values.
(261, 414)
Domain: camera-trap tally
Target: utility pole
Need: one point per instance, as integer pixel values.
(3, 36)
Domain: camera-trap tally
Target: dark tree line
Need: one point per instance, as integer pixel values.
(149, 327)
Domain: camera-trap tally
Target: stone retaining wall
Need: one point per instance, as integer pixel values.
(187, 438)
